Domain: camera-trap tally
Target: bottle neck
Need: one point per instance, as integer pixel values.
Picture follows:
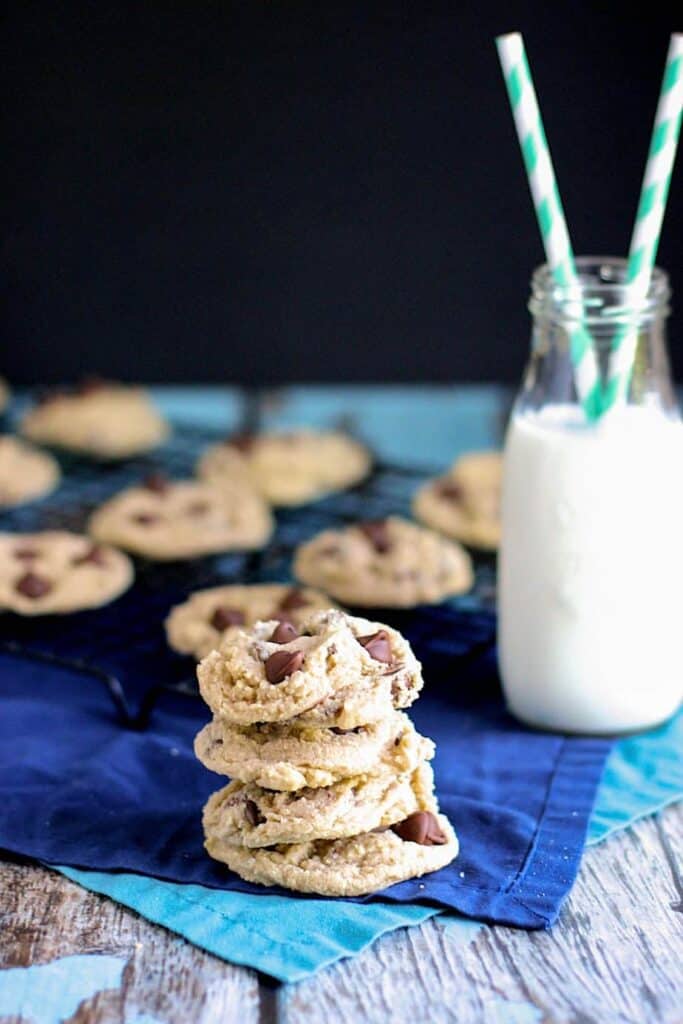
(608, 308)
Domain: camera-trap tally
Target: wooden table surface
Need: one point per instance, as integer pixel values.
(614, 956)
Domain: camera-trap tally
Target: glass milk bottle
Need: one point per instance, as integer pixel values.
(591, 562)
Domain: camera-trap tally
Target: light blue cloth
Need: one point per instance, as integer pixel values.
(643, 774)
(273, 933)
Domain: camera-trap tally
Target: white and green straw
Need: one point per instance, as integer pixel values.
(648, 223)
(549, 212)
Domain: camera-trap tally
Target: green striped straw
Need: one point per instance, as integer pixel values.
(648, 223)
(549, 212)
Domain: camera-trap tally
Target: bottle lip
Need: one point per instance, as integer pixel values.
(602, 297)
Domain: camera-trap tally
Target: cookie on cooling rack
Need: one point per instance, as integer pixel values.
(175, 519)
(25, 472)
(201, 623)
(55, 572)
(388, 563)
(290, 467)
(465, 503)
(97, 418)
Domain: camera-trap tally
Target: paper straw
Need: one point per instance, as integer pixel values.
(648, 223)
(549, 212)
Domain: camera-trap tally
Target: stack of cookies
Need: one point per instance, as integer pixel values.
(332, 790)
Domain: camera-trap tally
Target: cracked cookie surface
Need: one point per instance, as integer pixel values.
(354, 866)
(256, 678)
(248, 815)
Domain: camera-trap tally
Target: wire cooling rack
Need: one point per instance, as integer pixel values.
(123, 645)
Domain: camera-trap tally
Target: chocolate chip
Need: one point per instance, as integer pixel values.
(378, 534)
(293, 599)
(344, 732)
(90, 384)
(283, 633)
(330, 551)
(282, 664)
(252, 813)
(93, 556)
(449, 489)
(25, 554)
(32, 585)
(145, 518)
(242, 441)
(377, 645)
(198, 508)
(420, 827)
(48, 395)
(156, 482)
(278, 616)
(223, 617)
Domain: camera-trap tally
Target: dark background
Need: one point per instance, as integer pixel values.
(268, 191)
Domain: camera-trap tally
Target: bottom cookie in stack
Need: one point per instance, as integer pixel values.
(344, 812)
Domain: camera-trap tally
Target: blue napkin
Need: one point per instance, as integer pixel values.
(77, 789)
(643, 774)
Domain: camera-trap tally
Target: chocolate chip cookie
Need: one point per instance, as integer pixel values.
(365, 863)
(248, 815)
(465, 503)
(292, 755)
(208, 617)
(272, 672)
(25, 472)
(289, 468)
(57, 572)
(390, 563)
(173, 519)
(96, 418)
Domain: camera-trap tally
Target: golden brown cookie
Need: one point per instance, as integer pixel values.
(290, 467)
(465, 503)
(200, 624)
(391, 563)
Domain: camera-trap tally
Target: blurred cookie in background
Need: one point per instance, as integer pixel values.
(176, 519)
(465, 502)
(100, 419)
(25, 472)
(5, 394)
(291, 467)
(55, 572)
(388, 563)
(201, 623)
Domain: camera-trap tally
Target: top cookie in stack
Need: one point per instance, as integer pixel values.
(332, 790)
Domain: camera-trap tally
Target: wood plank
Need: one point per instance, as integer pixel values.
(614, 956)
(43, 916)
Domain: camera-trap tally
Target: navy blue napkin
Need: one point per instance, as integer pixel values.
(79, 789)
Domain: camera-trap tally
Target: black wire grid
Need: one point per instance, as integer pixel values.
(123, 645)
